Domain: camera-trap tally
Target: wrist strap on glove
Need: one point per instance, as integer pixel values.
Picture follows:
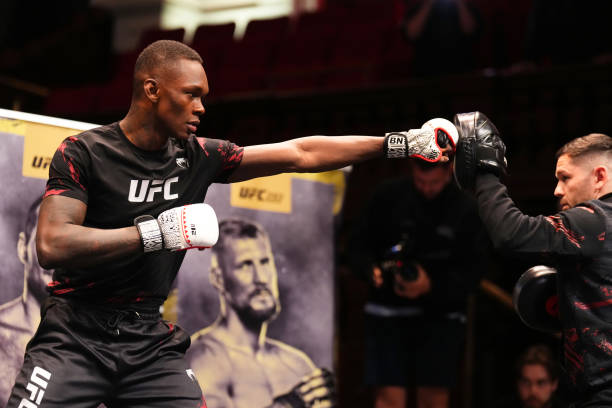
(150, 233)
(396, 145)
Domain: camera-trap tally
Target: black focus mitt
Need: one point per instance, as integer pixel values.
(535, 299)
(480, 149)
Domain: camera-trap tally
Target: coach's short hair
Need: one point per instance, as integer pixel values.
(592, 143)
(538, 354)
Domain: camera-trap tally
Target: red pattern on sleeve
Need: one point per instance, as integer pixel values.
(557, 223)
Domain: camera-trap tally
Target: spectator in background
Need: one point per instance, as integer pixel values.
(444, 33)
(537, 379)
(19, 317)
(422, 246)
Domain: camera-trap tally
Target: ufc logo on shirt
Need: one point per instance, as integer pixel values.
(145, 190)
(37, 386)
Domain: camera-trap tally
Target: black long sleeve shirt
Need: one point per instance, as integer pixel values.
(446, 236)
(578, 242)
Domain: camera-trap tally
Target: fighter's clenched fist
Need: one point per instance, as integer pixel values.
(433, 142)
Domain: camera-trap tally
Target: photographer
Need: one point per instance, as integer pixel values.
(421, 245)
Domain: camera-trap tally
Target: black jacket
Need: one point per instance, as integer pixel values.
(578, 242)
(445, 236)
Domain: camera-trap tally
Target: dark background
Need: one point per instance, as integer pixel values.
(539, 69)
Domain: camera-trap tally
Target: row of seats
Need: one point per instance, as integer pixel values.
(338, 48)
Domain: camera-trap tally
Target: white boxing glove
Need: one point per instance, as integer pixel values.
(445, 132)
(425, 143)
(179, 228)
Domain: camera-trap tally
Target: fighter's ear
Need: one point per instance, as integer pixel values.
(601, 176)
(22, 248)
(151, 89)
(215, 276)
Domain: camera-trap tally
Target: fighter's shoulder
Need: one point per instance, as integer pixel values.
(586, 212)
(92, 138)
(206, 342)
(207, 350)
(290, 355)
(588, 218)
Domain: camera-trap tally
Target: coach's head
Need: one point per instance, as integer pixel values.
(583, 171)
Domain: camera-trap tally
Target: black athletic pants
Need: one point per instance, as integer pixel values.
(82, 356)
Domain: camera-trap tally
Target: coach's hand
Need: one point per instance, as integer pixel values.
(480, 149)
(179, 228)
(434, 142)
(316, 390)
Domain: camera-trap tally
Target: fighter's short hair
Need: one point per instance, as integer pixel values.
(539, 354)
(161, 54)
(237, 228)
(592, 143)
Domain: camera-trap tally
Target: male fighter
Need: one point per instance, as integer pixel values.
(233, 359)
(113, 222)
(20, 316)
(576, 240)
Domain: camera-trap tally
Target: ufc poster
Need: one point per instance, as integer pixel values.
(259, 309)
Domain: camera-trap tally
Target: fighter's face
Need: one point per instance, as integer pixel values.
(576, 181)
(37, 277)
(431, 182)
(250, 279)
(535, 387)
(181, 91)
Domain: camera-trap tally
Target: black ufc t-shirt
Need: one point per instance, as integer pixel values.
(118, 182)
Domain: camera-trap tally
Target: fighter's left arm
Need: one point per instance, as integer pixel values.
(307, 154)
(577, 232)
(434, 142)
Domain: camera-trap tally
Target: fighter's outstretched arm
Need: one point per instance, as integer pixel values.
(62, 240)
(433, 142)
(307, 154)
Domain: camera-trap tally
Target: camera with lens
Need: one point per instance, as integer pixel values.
(399, 260)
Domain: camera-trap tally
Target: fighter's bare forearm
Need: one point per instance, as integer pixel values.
(320, 153)
(63, 241)
(79, 246)
(306, 154)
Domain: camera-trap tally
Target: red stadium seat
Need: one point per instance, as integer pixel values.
(397, 58)
(211, 42)
(154, 34)
(244, 67)
(70, 102)
(354, 57)
(269, 30)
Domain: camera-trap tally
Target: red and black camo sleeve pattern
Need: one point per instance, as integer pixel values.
(227, 153)
(67, 173)
(577, 232)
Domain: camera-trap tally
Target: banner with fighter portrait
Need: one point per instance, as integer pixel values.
(259, 306)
